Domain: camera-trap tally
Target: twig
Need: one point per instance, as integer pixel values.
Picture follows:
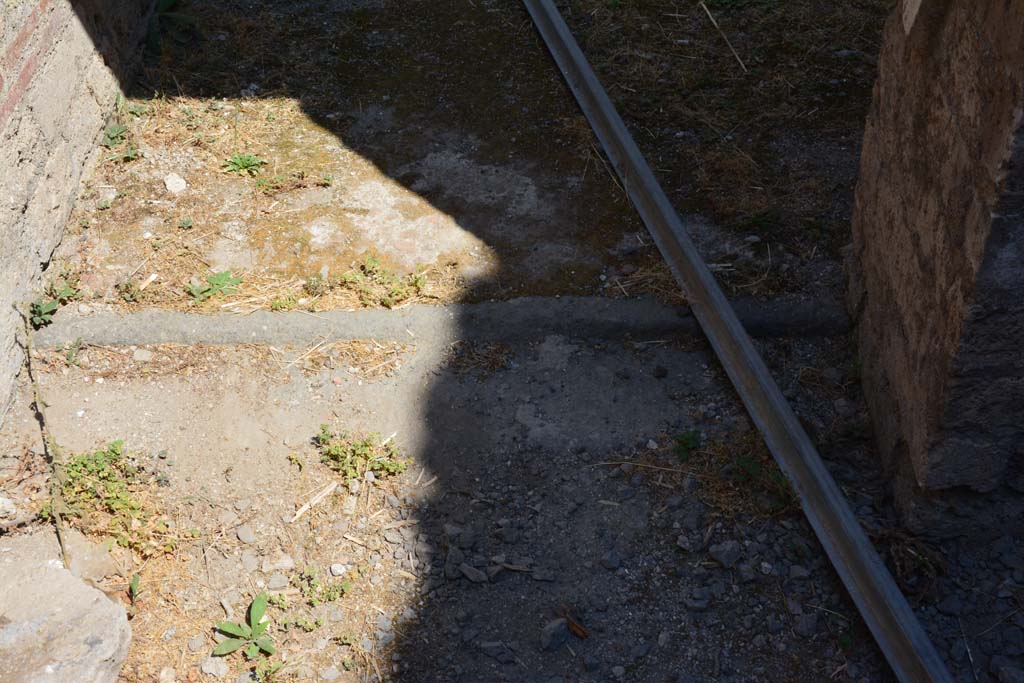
(640, 464)
(970, 656)
(314, 500)
(734, 53)
(50, 448)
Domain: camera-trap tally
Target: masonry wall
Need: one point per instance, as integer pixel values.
(937, 275)
(60, 67)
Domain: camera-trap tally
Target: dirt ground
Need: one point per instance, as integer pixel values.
(583, 506)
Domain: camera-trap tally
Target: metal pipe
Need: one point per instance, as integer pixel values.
(885, 610)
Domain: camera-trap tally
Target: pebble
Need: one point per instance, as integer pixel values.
(214, 666)
(142, 355)
(331, 673)
(250, 562)
(619, 672)
(283, 563)
(174, 183)
(472, 573)
(197, 643)
(167, 675)
(611, 560)
(338, 569)
(277, 582)
(554, 634)
(245, 534)
(726, 553)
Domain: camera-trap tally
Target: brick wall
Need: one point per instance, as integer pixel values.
(61, 64)
(937, 281)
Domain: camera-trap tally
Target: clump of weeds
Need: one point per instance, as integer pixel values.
(316, 591)
(105, 494)
(353, 457)
(372, 282)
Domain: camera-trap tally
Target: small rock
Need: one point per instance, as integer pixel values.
(245, 534)
(7, 508)
(167, 675)
(250, 562)
(283, 563)
(277, 582)
(611, 560)
(472, 573)
(174, 183)
(619, 672)
(214, 666)
(197, 643)
(554, 634)
(142, 355)
(497, 650)
(806, 625)
(331, 673)
(338, 569)
(798, 572)
(726, 553)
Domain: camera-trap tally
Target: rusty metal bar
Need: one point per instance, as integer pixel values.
(885, 610)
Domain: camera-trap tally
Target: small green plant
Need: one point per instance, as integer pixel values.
(41, 312)
(326, 180)
(72, 351)
(315, 591)
(316, 285)
(128, 153)
(266, 671)
(686, 444)
(217, 284)
(251, 637)
(243, 164)
(63, 290)
(296, 460)
(352, 457)
(278, 600)
(285, 303)
(128, 290)
(137, 110)
(302, 623)
(185, 223)
(134, 589)
(114, 135)
(103, 205)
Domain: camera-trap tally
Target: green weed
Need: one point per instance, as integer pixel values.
(285, 303)
(686, 444)
(316, 591)
(218, 284)
(185, 223)
(114, 135)
(41, 312)
(101, 491)
(128, 290)
(251, 637)
(352, 457)
(243, 164)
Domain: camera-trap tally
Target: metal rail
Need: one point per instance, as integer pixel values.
(885, 610)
